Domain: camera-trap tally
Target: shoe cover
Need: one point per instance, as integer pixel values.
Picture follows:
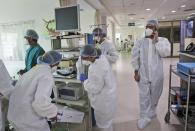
(143, 123)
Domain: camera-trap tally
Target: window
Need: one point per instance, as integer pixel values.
(12, 46)
(8, 45)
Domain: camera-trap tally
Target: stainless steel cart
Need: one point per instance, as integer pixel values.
(189, 79)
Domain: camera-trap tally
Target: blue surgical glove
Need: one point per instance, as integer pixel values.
(83, 77)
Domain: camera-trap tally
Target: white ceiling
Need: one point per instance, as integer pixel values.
(125, 11)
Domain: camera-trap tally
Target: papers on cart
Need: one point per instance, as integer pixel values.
(70, 115)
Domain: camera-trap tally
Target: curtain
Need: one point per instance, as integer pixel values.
(12, 42)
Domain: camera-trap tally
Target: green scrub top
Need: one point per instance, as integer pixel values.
(31, 56)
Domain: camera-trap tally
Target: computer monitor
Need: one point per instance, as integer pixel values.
(68, 18)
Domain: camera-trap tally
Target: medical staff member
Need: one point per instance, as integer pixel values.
(101, 87)
(33, 52)
(147, 61)
(30, 104)
(5, 91)
(107, 47)
(81, 69)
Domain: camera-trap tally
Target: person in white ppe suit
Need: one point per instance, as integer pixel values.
(107, 47)
(147, 61)
(81, 69)
(101, 87)
(30, 104)
(5, 91)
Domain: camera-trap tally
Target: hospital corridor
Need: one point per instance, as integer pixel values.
(128, 105)
(97, 65)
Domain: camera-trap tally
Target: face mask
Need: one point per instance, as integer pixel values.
(87, 63)
(148, 32)
(26, 42)
(97, 38)
(54, 69)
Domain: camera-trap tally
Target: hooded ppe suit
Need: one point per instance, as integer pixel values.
(108, 49)
(30, 104)
(5, 90)
(147, 58)
(101, 88)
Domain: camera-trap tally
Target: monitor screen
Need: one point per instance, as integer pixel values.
(67, 18)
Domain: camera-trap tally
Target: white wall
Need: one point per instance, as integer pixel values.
(24, 10)
(18, 10)
(87, 17)
(111, 30)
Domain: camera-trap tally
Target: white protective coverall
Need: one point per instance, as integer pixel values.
(101, 88)
(5, 90)
(147, 58)
(108, 49)
(30, 104)
(80, 68)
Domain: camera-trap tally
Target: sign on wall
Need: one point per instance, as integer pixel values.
(131, 24)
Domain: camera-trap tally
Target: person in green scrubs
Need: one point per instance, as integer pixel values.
(33, 52)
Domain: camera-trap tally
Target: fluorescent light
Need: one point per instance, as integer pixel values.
(131, 18)
(183, 6)
(193, 13)
(173, 11)
(189, 17)
(148, 9)
(163, 17)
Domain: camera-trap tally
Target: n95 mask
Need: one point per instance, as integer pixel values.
(87, 63)
(148, 32)
(97, 38)
(26, 42)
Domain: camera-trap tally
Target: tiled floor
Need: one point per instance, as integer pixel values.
(128, 106)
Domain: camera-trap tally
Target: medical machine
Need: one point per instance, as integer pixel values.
(69, 91)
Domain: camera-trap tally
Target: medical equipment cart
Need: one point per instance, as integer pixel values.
(82, 105)
(187, 107)
(71, 53)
